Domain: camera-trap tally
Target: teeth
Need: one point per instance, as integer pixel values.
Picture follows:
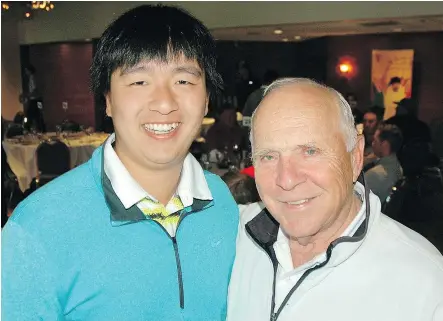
(161, 128)
(298, 202)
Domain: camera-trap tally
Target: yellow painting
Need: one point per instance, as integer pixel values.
(391, 78)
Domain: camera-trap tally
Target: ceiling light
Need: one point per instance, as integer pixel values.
(278, 31)
(297, 37)
(42, 5)
(345, 68)
(285, 39)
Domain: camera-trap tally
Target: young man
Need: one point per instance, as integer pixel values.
(140, 232)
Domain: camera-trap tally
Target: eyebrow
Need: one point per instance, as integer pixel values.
(264, 151)
(177, 70)
(188, 69)
(134, 69)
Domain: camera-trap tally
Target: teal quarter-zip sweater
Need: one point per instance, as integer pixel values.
(71, 251)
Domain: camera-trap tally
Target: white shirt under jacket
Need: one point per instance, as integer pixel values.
(384, 272)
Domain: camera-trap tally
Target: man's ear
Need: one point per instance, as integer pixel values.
(357, 157)
(207, 105)
(108, 106)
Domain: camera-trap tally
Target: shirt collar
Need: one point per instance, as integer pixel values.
(282, 249)
(192, 184)
(263, 229)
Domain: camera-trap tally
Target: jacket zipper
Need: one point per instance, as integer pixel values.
(275, 315)
(177, 259)
(179, 274)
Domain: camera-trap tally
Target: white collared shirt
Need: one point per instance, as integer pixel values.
(192, 182)
(287, 276)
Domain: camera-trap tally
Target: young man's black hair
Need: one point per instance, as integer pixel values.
(153, 33)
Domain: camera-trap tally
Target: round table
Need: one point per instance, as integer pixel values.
(22, 160)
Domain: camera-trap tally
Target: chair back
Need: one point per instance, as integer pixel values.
(14, 130)
(53, 158)
(417, 202)
(70, 126)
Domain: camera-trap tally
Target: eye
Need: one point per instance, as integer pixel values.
(184, 82)
(267, 158)
(310, 151)
(139, 83)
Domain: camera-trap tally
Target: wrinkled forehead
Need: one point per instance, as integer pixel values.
(287, 118)
(298, 104)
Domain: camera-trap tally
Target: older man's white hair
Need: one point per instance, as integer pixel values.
(346, 118)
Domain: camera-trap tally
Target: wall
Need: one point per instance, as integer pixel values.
(65, 66)
(75, 20)
(10, 69)
(63, 75)
(428, 66)
(306, 59)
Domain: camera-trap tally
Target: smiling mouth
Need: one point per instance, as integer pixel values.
(161, 129)
(301, 202)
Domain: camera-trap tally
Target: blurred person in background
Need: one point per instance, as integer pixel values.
(371, 120)
(353, 102)
(32, 100)
(387, 169)
(226, 133)
(242, 187)
(256, 96)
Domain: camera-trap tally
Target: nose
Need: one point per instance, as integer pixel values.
(163, 100)
(289, 175)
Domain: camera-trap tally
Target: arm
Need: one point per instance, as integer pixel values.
(29, 289)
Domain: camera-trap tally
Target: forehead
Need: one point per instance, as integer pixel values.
(169, 62)
(370, 116)
(296, 113)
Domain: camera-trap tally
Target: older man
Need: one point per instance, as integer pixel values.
(321, 249)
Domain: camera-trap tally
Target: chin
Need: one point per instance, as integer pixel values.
(165, 158)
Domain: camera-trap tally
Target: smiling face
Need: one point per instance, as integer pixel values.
(157, 110)
(303, 172)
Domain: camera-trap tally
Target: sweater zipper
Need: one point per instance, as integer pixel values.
(177, 258)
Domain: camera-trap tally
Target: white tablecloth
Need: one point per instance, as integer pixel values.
(22, 160)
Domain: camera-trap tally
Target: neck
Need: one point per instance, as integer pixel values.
(159, 182)
(305, 249)
(368, 139)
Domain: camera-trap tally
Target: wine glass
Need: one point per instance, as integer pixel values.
(58, 130)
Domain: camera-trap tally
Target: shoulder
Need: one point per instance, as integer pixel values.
(50, 201)
(219, 189)
(249, 211)
(409, 246)
(376, 173)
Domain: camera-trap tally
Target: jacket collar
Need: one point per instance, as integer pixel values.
(263, 229)
(119, 214)
(192, 184)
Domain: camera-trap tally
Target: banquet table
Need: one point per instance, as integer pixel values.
(22, 160)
